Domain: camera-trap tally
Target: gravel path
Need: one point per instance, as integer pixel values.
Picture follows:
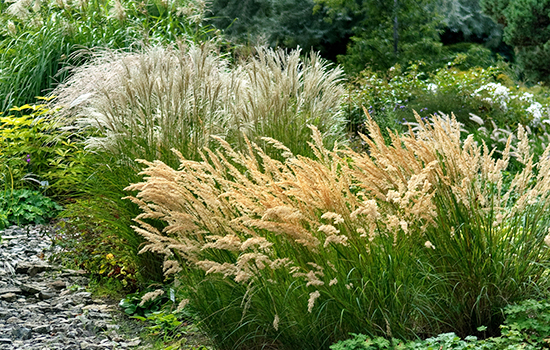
(43, 306)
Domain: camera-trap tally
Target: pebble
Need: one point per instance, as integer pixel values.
(43, 306)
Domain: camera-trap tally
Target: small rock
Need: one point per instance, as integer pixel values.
(13, 319)
(134, 342)
(58, 285)
(46, 295)
(87, 346)
(14, 290)
(43, 329)
(31, 269)
(22, 333)
(30, 289)
(5, 341)
(8, 297)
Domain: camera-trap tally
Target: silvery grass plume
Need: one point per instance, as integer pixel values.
(283, 93)
(21, 8)
(145, 103)
(313, 218)
(165, 98)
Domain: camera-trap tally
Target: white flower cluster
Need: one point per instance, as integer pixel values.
(499, 94)
(534, 109)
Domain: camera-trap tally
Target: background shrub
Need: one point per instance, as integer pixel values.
(40, 40)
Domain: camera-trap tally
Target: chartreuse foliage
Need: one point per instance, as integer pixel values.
(417, 237)
(35, 152)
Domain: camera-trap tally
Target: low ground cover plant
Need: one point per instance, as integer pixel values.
(23, 207)
(525, 327)
(306, 250)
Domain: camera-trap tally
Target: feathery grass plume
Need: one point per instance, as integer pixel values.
(488, 233)
(143, 104)
(146, 103)
(20, 9)
(407, 229)
(285, 207)
(151, 296)
(283, 93)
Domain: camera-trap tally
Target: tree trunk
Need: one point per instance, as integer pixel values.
(395, 28)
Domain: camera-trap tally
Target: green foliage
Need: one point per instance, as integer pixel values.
(23, 207)
(526, 327)
(132, 305)
(495, 9)
(388, 32)
(90, 242)
(529, 320)
(487, 93)
(362, 342)
(39, 44)
(527, 30)
(467, 17)
(36, 152)
(526, 24)
(284, 23)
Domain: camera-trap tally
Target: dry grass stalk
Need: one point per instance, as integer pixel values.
(143, 104)
(230, 201)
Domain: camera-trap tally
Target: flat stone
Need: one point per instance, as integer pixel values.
(31, 269)
(134, 342)
(58, 285)
(30, 289)
(99, 307)
(87, 346)
(46, 295)
(13, 319)
(10, 290)
(8, 297)
(71, 273)
(42, 329)
(12, 237)
(5, 341)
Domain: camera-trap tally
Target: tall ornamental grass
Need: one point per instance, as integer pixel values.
(412, 238)
(143, 104)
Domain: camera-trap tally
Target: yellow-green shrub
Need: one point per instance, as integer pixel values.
(36, 152)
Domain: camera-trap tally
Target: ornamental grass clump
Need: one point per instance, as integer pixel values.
(412, 238)
(144, 103)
